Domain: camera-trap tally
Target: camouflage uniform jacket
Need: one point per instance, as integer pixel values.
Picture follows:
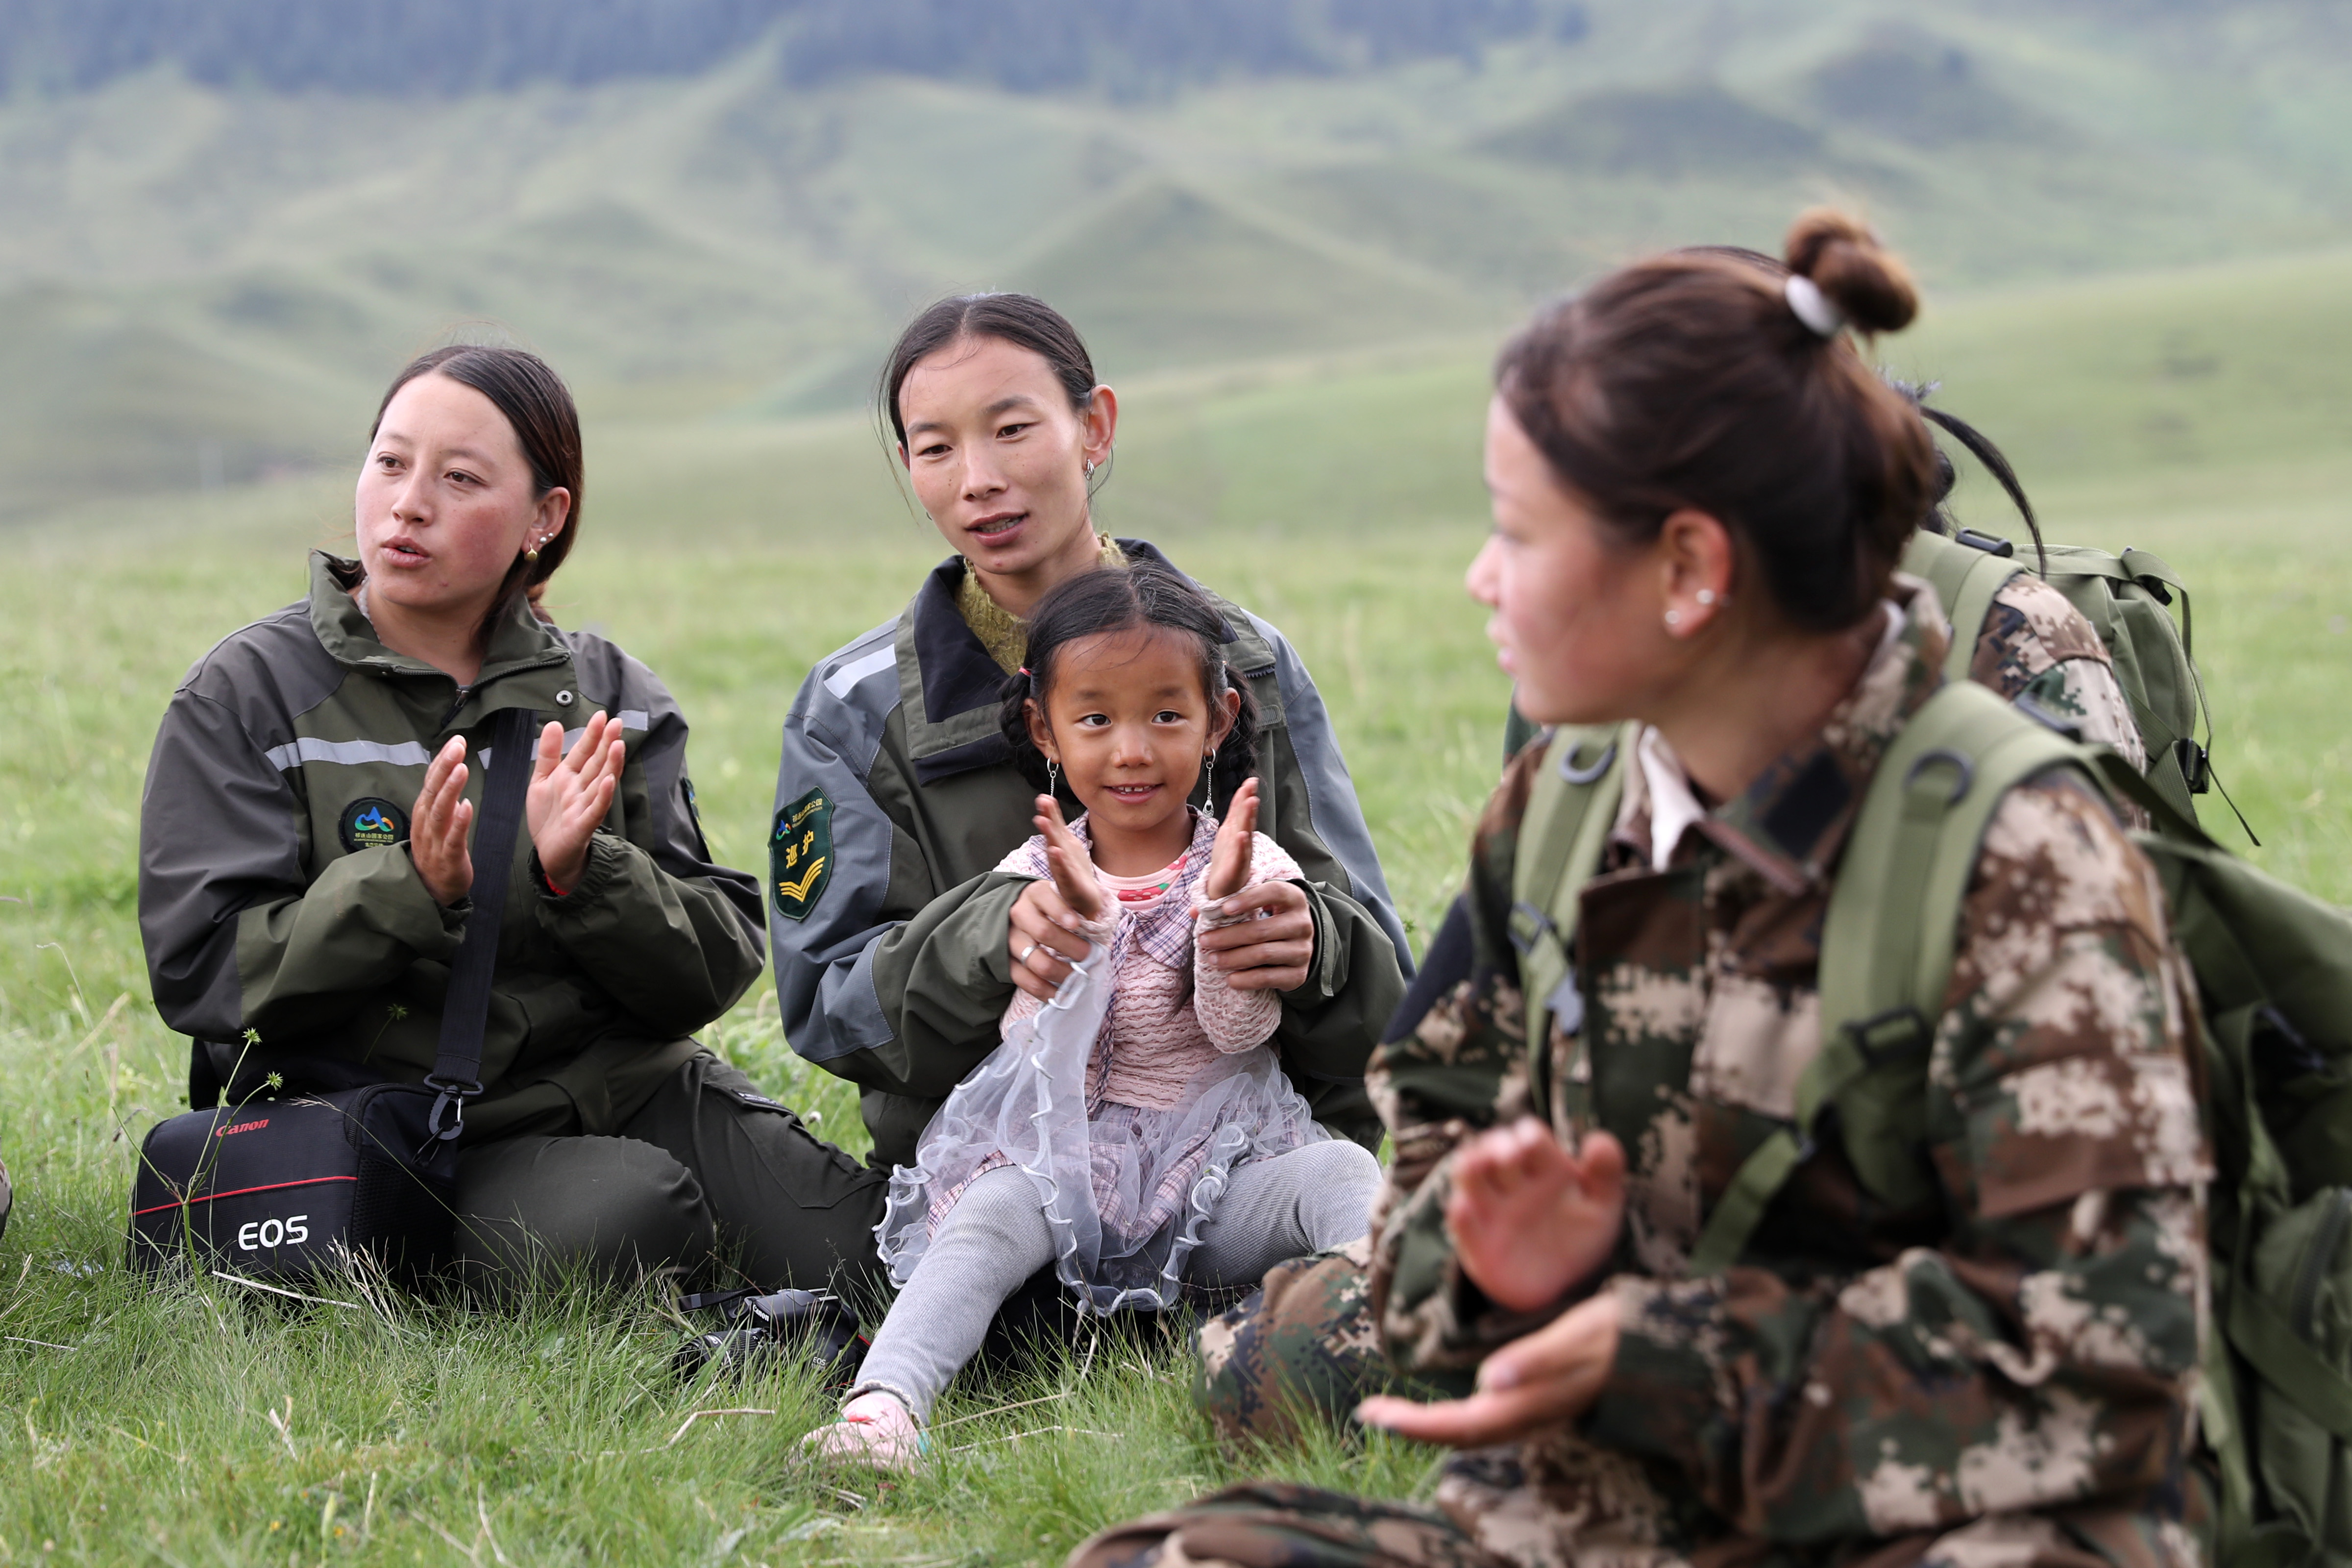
(1867, 1382)
(1308, 1342)
(2036, 646)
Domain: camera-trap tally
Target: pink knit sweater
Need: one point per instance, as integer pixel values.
(1170, 1012)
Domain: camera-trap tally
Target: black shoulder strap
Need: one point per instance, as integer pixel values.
(459, 1061)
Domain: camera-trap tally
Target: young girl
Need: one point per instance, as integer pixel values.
(1136, 1131)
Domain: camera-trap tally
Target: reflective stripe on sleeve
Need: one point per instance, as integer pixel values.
(350, 753)
(857, 669)
(404, 754)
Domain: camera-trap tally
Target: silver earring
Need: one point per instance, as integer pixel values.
(1088, 469)
(1052, 772)
(1707, 597)
(1674, 619)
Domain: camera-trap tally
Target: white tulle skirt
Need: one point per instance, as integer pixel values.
(1126, 1190)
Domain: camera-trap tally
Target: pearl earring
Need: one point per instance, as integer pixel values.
(1707, 597)
(1674, 619)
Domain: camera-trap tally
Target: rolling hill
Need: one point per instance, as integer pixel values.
(205, 280)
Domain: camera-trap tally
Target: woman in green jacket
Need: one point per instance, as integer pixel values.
(304, 872)
(896, 944)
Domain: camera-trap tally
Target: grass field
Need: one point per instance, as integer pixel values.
(2198, 415)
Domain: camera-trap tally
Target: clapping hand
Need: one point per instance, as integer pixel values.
(1042, 937)
(1531, 1386)
(1229, 857)
(1529, 1219)
(438, 823)
(571, 794)
(1073, 867)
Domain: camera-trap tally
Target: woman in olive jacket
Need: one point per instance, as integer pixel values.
(304, 874)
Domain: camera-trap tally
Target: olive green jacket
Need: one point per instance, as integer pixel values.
(287, 929)
(897, 798)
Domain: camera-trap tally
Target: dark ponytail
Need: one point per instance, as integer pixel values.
(1692, 380)
(1141, 596)
(1981, 448)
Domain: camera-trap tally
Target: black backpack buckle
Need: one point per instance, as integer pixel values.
(1991, 543)
(2196, 765)
(1527, 926)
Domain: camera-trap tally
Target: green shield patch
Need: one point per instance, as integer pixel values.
(800, 855)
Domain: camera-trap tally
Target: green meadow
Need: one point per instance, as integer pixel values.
(2198, 412)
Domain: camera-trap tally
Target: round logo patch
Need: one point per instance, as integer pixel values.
(371, 822)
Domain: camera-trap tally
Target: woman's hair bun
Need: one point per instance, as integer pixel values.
(1869, 284)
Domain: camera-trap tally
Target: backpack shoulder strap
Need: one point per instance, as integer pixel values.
(1966, 580)
(1571, 805)
(1887, 946)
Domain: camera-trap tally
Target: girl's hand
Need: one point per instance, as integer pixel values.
(1042, 936)
(437, 825)
(1229, 857)
(570, 795)
(1529, 1218)
(1073, 868)
(1532, 1385)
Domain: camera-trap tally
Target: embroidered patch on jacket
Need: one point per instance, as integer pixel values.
(372, 822)
(800, 855)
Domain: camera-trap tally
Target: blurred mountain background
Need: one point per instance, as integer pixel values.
(223, 222)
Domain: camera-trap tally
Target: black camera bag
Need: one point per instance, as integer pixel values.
(285, 1188)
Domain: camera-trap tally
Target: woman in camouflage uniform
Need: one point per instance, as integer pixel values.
(1700, 492)
(1306, 1340)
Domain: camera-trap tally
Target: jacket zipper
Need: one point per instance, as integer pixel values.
(2325, 1243)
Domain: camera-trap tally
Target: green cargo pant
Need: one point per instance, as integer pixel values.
(709, 1165)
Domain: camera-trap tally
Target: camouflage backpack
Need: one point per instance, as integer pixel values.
(2273, 968)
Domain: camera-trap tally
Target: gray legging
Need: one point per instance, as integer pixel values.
(1306, 1200)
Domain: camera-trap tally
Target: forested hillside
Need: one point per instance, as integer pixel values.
(223, 222)
(406, 47)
